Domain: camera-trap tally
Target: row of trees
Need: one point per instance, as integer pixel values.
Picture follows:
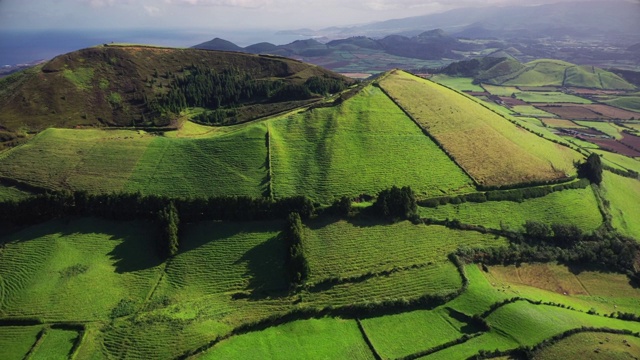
(293, 235)
(134, 206)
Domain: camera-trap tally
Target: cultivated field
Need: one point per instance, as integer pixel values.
(479, 144)
(550, 97)
(578, 207)
(457, 83)
(365, 145)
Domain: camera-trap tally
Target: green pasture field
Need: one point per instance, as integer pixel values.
(530, 324)
(596, 346)
(230, 164)
(363, 146)
(605, 127)
(631, 103)
(16, 341)
(101, 161)
(500, 90)
(230, 257)
(326, 338)
(50, 271)
(550, 97)
(624, 196)
(336, 248)
(581, 143)
(578, 207)
(56, 344)
(528, 110)
(92, 160)
(508, 155)
(458, 83)
(621, 161)
(398, 335)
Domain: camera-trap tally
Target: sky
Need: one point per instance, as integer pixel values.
(221, 14)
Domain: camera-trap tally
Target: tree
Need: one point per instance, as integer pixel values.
(396, 203)
(537, 230)
(296, 259)
(169, 222)
(591, 169)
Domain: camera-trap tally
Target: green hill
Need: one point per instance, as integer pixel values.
(144, 86)
(547, 72)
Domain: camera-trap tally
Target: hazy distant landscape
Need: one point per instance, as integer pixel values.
(457, 185)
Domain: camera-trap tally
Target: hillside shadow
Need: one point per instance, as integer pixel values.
(266, 269)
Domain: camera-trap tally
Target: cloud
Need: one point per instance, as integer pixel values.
(230, 3)
(152, 10)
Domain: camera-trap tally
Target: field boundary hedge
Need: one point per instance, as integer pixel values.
(368, 341)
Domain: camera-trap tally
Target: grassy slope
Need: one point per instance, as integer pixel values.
(92, 160)
(492, 150)
(309, 339)
(577, 207)
(624, 196)
(596, 346)
(631, 103)
(102, 161)
(606, 127)
(216, 261)
(336, 248)
(365, 145)
(621, 161)
(15, 341)
(56, 344)
(51, 270)
(233, 164)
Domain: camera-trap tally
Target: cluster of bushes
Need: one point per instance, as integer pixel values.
(324, 85)
(217, 117)
(297, 264)
(516, 195)
(396, 203)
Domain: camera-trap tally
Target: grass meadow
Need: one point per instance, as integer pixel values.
(578, 207)
(550, 97)
(326, 338)
(596, 346)
(623, 195)
(50, 271)
(509, 155)
(363, 146)
(398, 335)
(101, 161)
(16, 341)
(56, 344)
(458, 83)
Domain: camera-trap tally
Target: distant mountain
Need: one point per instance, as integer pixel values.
(429, 45)
(584, 18)
(220, 44)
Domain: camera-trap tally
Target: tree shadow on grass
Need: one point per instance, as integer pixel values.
(135, 248)
(469, 327)
(266, 269)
